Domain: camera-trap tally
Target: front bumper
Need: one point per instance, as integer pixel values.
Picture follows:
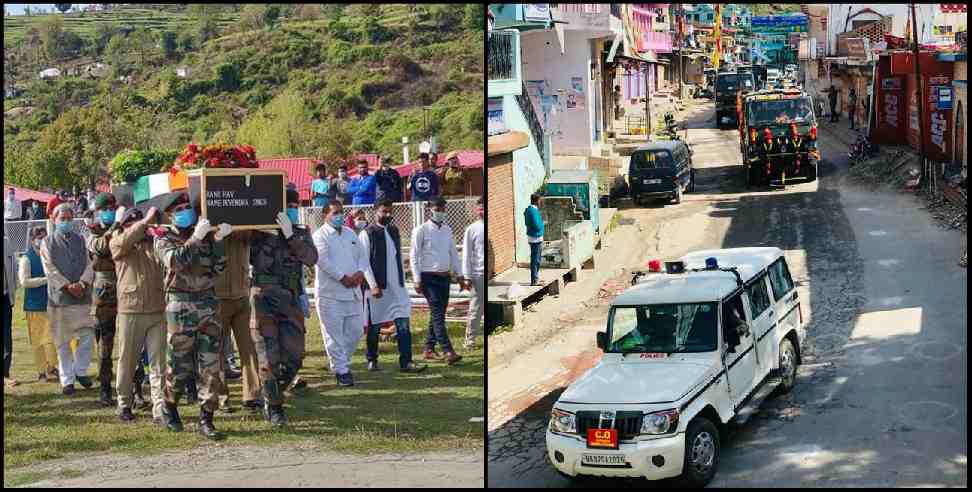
(638, 457)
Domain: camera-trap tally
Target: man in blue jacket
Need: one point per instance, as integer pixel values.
(534, 225)
(363, 186)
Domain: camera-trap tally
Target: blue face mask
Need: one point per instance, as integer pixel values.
(337, 221)
(107, 217)
(184, 219)
(64, 227)
(292, 215)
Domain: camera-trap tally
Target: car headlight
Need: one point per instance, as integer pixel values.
(663, 422)
(564, 422)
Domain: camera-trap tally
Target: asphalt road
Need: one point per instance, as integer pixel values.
(881, 397)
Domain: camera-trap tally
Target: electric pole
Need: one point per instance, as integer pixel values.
(679, 44)
(921, 99)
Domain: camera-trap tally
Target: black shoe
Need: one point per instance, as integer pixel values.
(104, 397)
(373, 366)
(275, 415)
(85, 381)
(413, 368)
(159, 421)
(126, 415)
(253, 405)
(68, 390)
(345, 380)
(232, 375)
(192, 393)
(170, 415)
(206, 426)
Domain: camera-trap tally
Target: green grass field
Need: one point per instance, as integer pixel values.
(384, 412)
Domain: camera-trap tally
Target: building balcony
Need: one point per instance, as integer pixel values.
(503, 64)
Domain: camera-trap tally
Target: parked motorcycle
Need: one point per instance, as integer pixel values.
(862, 150)
(671, 128)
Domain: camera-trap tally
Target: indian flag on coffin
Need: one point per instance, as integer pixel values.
(153, 185)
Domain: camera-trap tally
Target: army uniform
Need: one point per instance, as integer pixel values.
(277, 323)
(189, 272)
(104, 305)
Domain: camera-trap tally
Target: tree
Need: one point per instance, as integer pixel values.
(185, 41)
(117, 54)
(270, 15)
(102, 35)
(142, 41)
(228, 75)
(63, 7)
(474, 16)
(309, 11)
(206, 29)
(169, 44)
(51, 33)
(252, 16)
(280, 128)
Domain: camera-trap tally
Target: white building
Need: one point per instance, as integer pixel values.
(50, 73)
(843, 17)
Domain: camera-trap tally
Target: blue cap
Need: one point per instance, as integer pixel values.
(711, 263)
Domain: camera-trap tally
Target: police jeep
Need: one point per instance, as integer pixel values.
(687, 354)
(778, 137)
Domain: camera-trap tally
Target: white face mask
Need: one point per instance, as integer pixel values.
(360, 224)
(439, 217)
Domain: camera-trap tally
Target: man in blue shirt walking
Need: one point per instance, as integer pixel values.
(534, 226)
(363, 186)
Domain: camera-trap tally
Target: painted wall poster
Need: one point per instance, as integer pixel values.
(575, 96)
(494, 116)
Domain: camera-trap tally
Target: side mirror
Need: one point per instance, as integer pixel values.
(602, 340)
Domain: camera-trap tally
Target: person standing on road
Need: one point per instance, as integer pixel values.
(34, 281)
(433, 258)
(140, 326)
(104, 306)
(191, 261)
(277, 323)
(341, 266)
(69, 279)
(832, 97)
(473, 255)
(233, 292)
(851, 106)
(388, 299)
(534, 226)
(9, 297)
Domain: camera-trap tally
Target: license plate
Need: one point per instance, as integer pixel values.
(652, 181)
(602, 438)
(604, 459)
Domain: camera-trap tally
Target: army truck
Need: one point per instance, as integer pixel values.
(778, 136)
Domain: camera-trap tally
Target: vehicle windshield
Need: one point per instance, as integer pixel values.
(734, 82)
(668, 328)
(651, 159)
(782, 111)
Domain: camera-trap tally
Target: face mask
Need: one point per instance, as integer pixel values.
(384, 220)
(184, 218)
(107, 217)
(64, 227)
(438, 216)
(292, 215)
(360, 224)
(337, 221)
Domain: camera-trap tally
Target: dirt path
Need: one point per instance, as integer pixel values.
(262, 467)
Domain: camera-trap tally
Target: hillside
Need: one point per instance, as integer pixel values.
(322, 81)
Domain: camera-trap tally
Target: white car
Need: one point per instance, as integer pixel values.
(686, 354)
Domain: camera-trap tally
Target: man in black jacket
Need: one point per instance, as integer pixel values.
(388, 299)
(389, 182)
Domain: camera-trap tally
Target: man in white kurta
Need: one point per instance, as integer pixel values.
(388, 299)
(69, 279)
(341, 267)
(473, 254)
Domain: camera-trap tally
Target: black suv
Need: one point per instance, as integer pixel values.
(661, 169)
(728, 88)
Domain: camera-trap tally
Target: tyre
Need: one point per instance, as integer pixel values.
(701, 453)
(812, 172)
(788, 365)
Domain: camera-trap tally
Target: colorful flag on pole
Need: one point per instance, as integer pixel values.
(717, 34)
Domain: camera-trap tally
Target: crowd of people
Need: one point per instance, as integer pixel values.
(172, 291)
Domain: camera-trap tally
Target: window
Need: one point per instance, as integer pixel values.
(663, 328)
(733, 320)
(780, 278)
(758, 296)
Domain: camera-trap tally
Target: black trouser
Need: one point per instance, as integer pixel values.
(7, 335)
(850, 114)
(436, 291)
(833, 113)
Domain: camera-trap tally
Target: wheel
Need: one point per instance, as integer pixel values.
(678, 194)
(701, 453)
(788, 366)
(812, 172)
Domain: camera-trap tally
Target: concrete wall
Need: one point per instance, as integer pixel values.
(571, 129)
(501, 234)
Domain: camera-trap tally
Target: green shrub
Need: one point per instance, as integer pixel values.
(340, 53)
(129, 165)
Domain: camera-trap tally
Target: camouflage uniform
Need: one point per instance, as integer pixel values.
(277, 323)
(189, 272)
(105, 301)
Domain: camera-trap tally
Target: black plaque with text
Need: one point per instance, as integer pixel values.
(242, 198)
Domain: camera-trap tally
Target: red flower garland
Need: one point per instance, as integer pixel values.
(215, 156)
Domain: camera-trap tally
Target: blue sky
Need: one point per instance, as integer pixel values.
(18, 8)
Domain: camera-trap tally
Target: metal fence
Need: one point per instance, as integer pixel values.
(16, 231)
(500, 57)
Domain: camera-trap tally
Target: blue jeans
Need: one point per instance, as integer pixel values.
(435, 288)
(404, 335)
(535, 249)
(7, 335)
